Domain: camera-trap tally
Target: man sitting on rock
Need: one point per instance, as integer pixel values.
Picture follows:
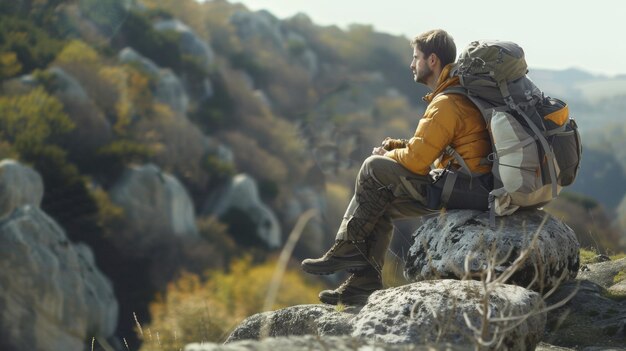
(395, 182)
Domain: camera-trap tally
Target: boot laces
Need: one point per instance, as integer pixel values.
(347, 283)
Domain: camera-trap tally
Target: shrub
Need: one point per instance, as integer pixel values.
(196, 310)
(31, 45)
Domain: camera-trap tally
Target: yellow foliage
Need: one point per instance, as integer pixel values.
(33, 118)
(78, 51)
(108, 213)
(134, 94)
(194, 310)
(9, 64)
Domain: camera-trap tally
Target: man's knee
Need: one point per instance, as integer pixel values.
(375, 164)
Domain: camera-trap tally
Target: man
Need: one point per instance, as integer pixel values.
(394, 182)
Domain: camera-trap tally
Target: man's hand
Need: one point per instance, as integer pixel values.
(379, 151)
(386, 144)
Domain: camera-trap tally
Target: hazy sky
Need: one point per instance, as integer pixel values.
(555, 34)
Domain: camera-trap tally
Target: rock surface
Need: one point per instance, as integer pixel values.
(168, 90)
(52, 295)
(241, 196)
(155, 204)
(594, 316)
(311, 342)
(19, 186)
(190, 43)
(442, 244)
(418, 313)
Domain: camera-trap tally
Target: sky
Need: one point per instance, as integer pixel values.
(555, 34)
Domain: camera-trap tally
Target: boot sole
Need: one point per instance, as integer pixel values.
(351, 267)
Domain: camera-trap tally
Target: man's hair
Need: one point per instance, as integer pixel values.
(438, 42)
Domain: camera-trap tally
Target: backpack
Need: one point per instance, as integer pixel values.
(536, 145)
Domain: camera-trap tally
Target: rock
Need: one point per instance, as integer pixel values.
(67, 85)
(155, 204)
(52, 295)
(19, 186)
(618, 289)
(434, 310)
(240, 198)
(314, 342)
(168, 90)
(129, 55)
(319, 320)
(190, 43)
(604, 273)
(259, 25)
(441, 245)
(591, 318)
(92, 129)
(418, 313)
(317, 237)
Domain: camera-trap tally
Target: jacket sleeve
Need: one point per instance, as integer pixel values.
(434, 133)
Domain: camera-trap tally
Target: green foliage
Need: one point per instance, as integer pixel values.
(110, 160)
(587, 256)
(197, 310)
(33, 47)
(216, 232)
(77, 52)
(620, 276)
(218, 169)
(32, 120)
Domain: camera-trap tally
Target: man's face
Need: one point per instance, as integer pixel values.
(419, 67)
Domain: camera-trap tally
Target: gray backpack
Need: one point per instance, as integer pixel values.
(536, 145)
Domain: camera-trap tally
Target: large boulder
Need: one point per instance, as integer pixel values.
(239, 204)
(52, 295)
(155, 205)
(316, 236)
(259, 25)
(593, 308)
(460, 244)
(190, 43)
(92, 130)
(168, 89)
(19, 186)
(315, 342)
(418, 313)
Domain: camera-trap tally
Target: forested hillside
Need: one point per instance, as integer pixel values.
(181, 141)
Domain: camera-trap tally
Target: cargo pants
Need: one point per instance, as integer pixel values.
(407, 198)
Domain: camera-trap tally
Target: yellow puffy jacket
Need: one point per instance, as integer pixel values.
(450, 119)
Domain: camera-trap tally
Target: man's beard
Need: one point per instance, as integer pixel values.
(423, 75)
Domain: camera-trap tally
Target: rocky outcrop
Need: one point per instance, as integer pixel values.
(19, 186)
(260, 24)
(155, 204)
(594, 313)
(417, 313)
(313, 342)
(190, 43)
(443, 243)
(316, 237)
(239, 201)
(168, 88)
(52, 295)
(92, 129)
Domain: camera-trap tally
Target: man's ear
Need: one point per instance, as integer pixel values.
(432, 60)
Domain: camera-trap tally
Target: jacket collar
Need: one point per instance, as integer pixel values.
(444, 82)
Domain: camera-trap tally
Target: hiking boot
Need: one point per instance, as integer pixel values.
(355, 290)
(350, 255)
